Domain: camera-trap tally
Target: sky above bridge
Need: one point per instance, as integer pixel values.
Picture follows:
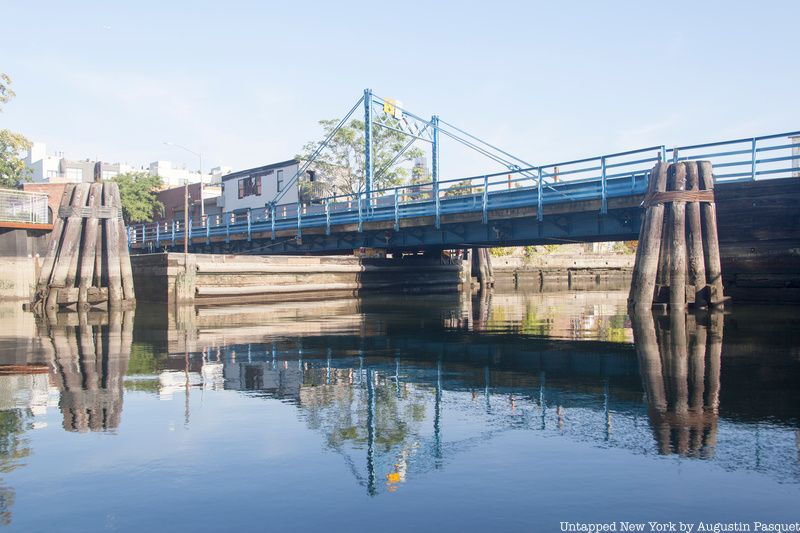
(246, 82)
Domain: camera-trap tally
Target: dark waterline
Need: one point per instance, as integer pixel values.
(512, 410)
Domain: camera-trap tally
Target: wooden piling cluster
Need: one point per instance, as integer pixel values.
(482, 266)
(87, 263)
(677, 260)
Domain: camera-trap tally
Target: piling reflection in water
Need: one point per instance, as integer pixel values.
(90, 359)
(679, 359)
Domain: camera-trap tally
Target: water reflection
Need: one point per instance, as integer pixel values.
(90, 358)
(679, 358)
(397, 389)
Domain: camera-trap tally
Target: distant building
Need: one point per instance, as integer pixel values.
(58, 169)
(173, 201)
(256, 187)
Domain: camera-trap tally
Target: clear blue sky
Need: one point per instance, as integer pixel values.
(245, 82)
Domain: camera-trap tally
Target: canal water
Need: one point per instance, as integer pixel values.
(514, 410)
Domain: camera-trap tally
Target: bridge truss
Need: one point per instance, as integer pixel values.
(521, 185)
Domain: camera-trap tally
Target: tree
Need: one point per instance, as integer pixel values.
(12, 145)
(462, 188)
(6, 94)
(138, 192)
(340, 167)
(12, 167)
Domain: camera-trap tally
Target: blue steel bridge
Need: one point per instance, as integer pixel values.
(582, 200)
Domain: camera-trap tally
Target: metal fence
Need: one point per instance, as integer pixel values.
(595, 178)
(24, 207)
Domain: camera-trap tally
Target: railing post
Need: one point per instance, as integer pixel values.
(189, 230)
(603, 190)
(299, 219)
(437, 212)
(130, 239)
(158, 233)
(327, 217)
(485, 206)
(539, 199)
(272, 219)
(753, 161)
(396, 209)
(144, 235)
(228, 228)
(208, 232)
(368, 163)
(360, 219)
(249, 225)
(173, 232)
(662, 155)
(675, 155)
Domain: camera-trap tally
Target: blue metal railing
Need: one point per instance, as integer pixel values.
(595, 178)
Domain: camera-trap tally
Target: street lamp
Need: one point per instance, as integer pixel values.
(200, 158)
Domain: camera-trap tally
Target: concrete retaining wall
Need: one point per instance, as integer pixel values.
(213, 278)
(19, 263)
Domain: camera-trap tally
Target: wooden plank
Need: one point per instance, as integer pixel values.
(644, 275)
(116, 224)
(25, 225)
(55, 241)
(115, 293)
(677, 288)
(696, 269)
(89, 246)
(68, 251)
(710, 237)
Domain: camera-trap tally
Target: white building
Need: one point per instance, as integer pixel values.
(256, 187)
(58, 169)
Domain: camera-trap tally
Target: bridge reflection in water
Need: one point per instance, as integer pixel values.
(401, 388)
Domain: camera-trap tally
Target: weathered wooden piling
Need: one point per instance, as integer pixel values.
(696, 270)
(87, 263)
(677, 260)
(482, 266)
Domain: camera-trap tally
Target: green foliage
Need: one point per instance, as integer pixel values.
(138, 193)
(6, 94)
(143, 360)
(626, 247)
(12, 167)
(462, 188)
(340, 167)
(501, 251)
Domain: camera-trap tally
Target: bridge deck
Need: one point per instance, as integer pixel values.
(596, 199)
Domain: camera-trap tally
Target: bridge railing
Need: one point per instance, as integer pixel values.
(23, 207)
(596, 178)
(754, 158)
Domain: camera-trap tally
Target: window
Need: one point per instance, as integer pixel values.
(109, 174)
(280, 180)
(74, 174)
(250, 186)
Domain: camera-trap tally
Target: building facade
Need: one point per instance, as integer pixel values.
(58, 169)
(256, 187)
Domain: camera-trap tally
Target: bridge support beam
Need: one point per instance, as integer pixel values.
(368, 163)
